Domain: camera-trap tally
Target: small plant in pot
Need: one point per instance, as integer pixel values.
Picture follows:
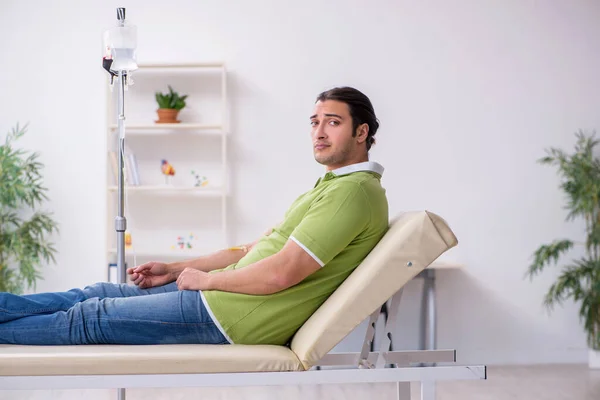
(579, 280)
(169, 105)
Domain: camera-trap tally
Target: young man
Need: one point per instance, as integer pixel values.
(260, 293)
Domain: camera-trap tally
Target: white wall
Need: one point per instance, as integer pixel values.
(468, 93)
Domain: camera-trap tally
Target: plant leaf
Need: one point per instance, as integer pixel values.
(24, 241)
(548, 254)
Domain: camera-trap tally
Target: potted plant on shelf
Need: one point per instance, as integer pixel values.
(579, 280)
(23, 228)
(169, 105)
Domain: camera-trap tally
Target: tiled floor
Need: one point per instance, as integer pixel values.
(548, 382)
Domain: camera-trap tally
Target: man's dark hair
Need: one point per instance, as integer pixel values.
(361, 109)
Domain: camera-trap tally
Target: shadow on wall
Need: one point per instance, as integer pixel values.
(492, 328)
(250, 171)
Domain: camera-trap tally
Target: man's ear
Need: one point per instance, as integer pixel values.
(362, 132)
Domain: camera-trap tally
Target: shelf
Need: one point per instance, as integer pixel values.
(179, 67)
(192, 190)
(161, 255)
(152, 128)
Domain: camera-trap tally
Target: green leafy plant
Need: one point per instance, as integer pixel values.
(24, 230)
(579, 280)
(171, 100)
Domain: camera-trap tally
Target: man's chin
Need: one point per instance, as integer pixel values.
(321, 160)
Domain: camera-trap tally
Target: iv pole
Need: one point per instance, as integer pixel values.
(119, 62)
(121, 42)
(120, 220)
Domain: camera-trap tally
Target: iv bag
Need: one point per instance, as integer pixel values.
(120, 45)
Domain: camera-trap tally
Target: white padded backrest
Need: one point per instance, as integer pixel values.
(413, 241)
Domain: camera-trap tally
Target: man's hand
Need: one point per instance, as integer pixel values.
(193, 279)
(151, 274)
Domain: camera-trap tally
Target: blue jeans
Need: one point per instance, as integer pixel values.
(108, 313)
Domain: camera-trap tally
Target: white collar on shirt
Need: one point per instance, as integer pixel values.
(362, 166)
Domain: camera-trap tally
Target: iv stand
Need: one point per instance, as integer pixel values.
(120, 220)
(118, 64)
(120, 72)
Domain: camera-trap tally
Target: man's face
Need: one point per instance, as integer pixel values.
(331, 133)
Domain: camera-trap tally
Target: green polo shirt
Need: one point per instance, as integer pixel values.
(338, 223)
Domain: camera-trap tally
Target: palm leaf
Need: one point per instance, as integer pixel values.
(548, 254)
(574, 281)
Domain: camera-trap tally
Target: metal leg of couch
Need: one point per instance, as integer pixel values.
(427, 390)
(403, 389)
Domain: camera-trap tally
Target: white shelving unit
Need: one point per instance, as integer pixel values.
(163, 216)
(151, 129)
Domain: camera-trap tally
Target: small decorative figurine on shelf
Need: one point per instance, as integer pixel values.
(189, 243)
(200, 180)
(167, 169)
(182, 243)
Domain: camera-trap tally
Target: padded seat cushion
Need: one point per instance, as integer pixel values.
(144, 359)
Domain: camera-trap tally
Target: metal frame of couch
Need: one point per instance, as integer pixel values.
(413, 241)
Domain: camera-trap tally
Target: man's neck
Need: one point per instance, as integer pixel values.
(330, 168)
